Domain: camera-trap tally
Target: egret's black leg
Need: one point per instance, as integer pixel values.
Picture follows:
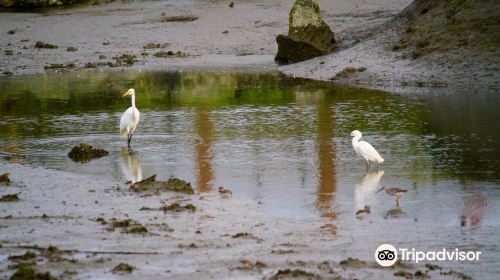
(129, 138)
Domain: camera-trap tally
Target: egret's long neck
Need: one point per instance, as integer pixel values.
(133, 100)
(355, 141)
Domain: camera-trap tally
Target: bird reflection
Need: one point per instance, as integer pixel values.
(473, 211)
(131, 166)
(366, 187)
(395, 213)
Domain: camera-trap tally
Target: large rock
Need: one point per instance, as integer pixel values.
(308, 34)
(36, 3)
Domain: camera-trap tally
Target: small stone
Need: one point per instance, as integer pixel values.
(123, 268)
(85, 153)
(9, 198)
(44, 45)
(4, 179)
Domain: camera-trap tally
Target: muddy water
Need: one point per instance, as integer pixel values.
(283, 142)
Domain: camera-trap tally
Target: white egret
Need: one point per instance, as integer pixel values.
(129, 119)
(364, 149)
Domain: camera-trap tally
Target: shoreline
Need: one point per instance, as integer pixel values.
(215, 36)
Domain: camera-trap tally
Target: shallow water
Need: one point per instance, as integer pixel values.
(284, 142)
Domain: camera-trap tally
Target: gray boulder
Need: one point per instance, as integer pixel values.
(308, 34)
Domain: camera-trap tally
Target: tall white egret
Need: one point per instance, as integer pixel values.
(364, 149)
(129, 119)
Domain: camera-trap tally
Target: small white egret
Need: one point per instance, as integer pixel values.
(129, 119)
(364, 149)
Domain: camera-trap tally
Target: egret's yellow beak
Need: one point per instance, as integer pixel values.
(126, 93)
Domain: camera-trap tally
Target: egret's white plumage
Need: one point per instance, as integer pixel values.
(130, 118)
(364, 149)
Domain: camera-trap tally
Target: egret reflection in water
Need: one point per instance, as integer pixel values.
(131, 166)
(366, 187)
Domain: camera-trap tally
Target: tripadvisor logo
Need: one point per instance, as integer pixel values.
(387, 255)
